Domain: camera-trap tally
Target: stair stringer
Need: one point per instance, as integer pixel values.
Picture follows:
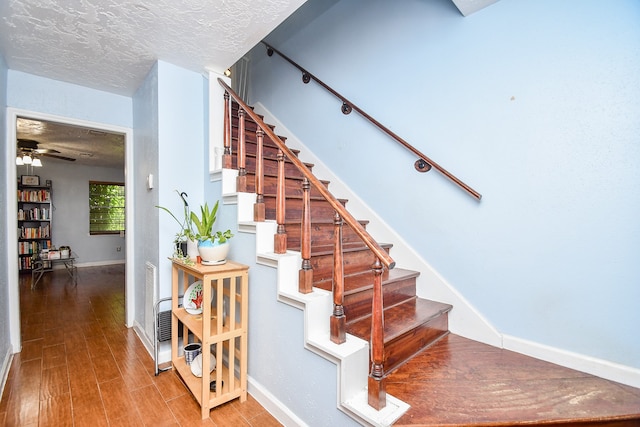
(352, 357)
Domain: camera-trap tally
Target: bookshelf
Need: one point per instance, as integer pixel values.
(34, 223)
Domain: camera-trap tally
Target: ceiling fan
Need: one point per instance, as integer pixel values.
(30, 146)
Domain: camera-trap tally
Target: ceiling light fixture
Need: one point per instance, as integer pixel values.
(26, 159)
(227, 72)
(19, 161)
(36, 163)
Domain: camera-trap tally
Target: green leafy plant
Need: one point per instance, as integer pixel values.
(186, 230)
(204, 224)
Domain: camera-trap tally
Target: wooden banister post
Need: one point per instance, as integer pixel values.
(241, 180)
(226, 155)
(258, 207)
(338, 320)
(280, 239)
(377, 394)
(305, 276)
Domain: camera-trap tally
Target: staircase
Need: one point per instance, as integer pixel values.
(411, 323)
(441, 382)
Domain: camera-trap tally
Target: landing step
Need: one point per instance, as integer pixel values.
(458, 381)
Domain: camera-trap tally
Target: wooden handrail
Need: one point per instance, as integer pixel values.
(366, 238)
(347, 106)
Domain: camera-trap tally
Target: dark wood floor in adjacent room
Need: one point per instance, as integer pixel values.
(462, 382)
(80, 366)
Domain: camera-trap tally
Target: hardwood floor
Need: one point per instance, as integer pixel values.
(463, 382)
(80, 366)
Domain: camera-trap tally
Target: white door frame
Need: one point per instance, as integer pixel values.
(12, 222)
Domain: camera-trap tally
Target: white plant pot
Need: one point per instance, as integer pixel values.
(213, 253)
(192, 249)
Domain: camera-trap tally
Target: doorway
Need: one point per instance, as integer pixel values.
(59, 154)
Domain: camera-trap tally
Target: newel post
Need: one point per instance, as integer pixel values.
(280, 239)
(338, 320)
(305, 276)
(226, 155)
(241, 180)
(258, 207)
(377, 394)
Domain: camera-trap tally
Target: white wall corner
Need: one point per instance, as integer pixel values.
(216, 119)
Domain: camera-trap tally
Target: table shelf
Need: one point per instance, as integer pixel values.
(224, 334)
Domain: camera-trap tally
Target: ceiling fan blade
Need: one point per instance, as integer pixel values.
(69, 159)
(46, 151)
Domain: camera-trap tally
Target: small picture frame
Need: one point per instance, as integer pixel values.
(31, 180)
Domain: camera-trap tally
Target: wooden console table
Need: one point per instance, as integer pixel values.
(221, 328)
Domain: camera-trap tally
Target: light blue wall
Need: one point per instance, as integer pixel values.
(181, 139)
(145, 153)
(33, 93)
(169, 117)
(534, 104)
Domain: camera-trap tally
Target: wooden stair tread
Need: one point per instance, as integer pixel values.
(364, 281)
(400, 318)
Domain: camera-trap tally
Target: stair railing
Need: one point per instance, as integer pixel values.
(376, 387)
(423, 164)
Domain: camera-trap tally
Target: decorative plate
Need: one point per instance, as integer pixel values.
(192, 300)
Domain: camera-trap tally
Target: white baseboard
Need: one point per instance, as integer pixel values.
(274, 406)
(590, 365)
(146, 341)
(98, 263)
(4, 370)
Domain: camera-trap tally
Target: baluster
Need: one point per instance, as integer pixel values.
(338, 319)
(280, 239)
(226, 157)
(377, 393)
(258, 207)
(305, 276)
(241, 180)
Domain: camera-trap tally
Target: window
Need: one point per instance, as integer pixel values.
(106, 207)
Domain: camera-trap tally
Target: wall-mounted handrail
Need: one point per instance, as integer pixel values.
(366, 238)
(423, 164)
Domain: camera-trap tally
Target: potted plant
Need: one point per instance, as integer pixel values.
(185, 239)
(213, 246)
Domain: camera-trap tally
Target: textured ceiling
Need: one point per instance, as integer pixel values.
(112, 44)
(89, 147)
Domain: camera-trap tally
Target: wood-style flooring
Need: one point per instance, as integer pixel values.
(80, 366)
(463, 382)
